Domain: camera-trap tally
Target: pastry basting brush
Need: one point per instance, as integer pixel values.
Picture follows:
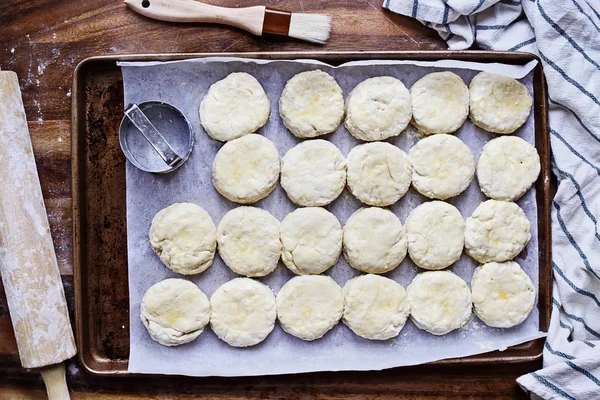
(258, 20)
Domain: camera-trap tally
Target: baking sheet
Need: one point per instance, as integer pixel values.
(183, 84)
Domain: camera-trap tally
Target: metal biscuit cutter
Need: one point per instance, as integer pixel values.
(166, 139)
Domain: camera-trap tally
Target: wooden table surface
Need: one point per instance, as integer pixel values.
(43, 40)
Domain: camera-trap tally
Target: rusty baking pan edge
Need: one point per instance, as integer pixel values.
(85, 322)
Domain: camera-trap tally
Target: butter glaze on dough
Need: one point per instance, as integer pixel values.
(311, 104)
(174, 311)
(234, 107)
(440, 302)
(309, 306)
(378, 108)
(248, 241)
(246, 169)
(313, 173)
(243, 312)
(507, 168)
(312, 240)
(184, 237)
(496, 231)
(503, 294)
(375, 307)
(498, 103)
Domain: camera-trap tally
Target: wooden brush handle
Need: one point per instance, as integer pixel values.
(56, 384)
(250, 18)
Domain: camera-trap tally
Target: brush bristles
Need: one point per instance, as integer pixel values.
(310, 27)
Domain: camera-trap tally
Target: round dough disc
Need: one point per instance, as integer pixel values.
(311, 104)
(498, 103)
(174, 312)
(375, 307)
(443, 166)
(378, 108)
(507, 168)
(379, 173)
(248, 239)
(313, 173)
(440, 302)
(497, 231)
(243, 312)
(184, 237)
(246, 170)
(436, 235)
(234, 107)
(503, 294)
(374, 240)
(309, 306)
(312, 240)
(440, 103)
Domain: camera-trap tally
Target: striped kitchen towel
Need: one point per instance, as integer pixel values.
(566, 36)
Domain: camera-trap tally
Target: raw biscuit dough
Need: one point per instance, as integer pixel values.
(435, 232)
(234, 107)
(440, 302)
(311, 104)
(312, 240)
(243, 312)
(440, 103)
(378, 108)
(443, 166)
(246, 169)
(184, 237)
(379, 173)
(248, 241)
(375, 307)
(374, 240)
(497, 231)
(313, 173)
(498, 103)
(507, 168)
(503, 294)
(174, 311)
(309, 306)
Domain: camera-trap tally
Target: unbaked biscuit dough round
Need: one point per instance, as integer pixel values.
(248, 241)
(497, 231)
(243, 312)
(498, 103)
(442, 165)
(435, 232)
(440, 103)
(440, 302)
(174, 311)
(378, 108)
(503, 294)
(379, 173)
(507, 168)
(246, 169)
(312, 240)
(184, 237)
(311, 104)
(374, 240)
(313, 173)
(309, 306)
(234, 107)
(375, 307)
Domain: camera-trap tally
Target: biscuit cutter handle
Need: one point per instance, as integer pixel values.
(152, 135)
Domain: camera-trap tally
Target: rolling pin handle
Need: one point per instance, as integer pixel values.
(56, 383)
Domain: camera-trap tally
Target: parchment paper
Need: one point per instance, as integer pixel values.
(183, 84)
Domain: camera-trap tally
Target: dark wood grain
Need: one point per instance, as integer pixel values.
(43, 40)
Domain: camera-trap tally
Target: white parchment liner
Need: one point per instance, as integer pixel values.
(183, 84)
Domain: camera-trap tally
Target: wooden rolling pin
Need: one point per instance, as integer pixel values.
(28, 265)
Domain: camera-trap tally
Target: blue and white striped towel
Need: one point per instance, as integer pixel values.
(566, 36)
